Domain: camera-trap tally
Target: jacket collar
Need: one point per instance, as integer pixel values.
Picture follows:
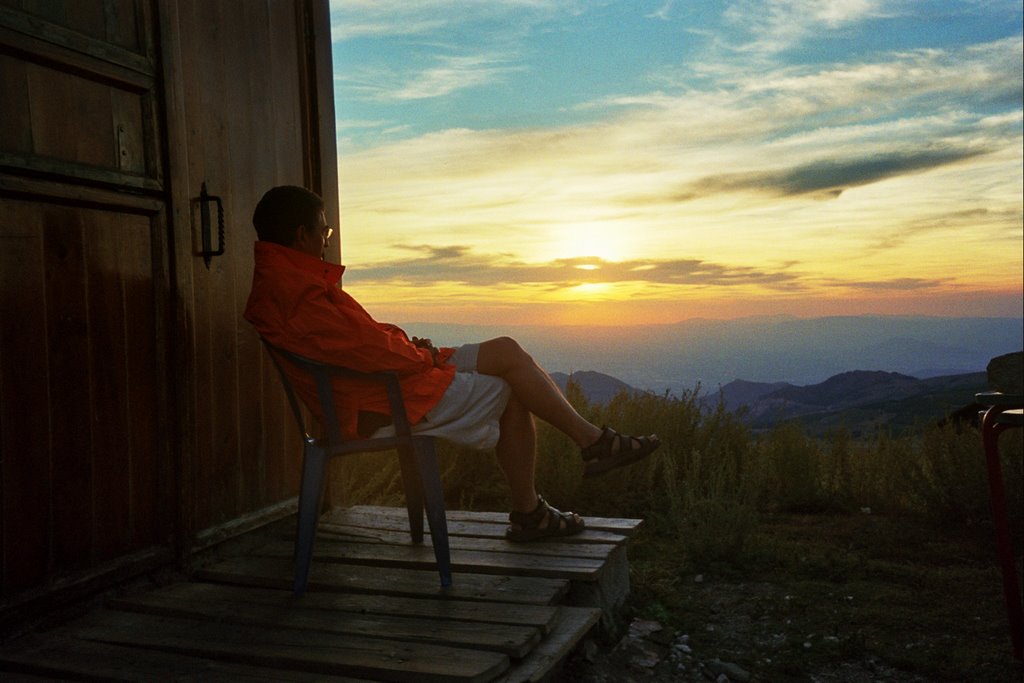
(271, 256)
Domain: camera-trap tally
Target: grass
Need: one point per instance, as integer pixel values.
(840, 557)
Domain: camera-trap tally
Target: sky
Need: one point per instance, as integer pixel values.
(645, 162)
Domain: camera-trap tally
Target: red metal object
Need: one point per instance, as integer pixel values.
(1005, 412)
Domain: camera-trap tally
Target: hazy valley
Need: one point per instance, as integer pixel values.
(864, 372)
(800, 351)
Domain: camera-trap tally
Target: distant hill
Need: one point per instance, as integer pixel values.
(741, 392)
(596, 387)
(863, 401)
(802, 351)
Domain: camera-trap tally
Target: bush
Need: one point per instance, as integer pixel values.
(711, 477)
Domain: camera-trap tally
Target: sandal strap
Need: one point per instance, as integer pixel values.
(531, 520)
(604, 446)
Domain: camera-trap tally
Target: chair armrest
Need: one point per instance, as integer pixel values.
(998, 398)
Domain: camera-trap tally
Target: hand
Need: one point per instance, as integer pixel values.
(429, 345)
(423, 344)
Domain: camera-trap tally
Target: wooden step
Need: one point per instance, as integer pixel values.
(463, 561)
(272, 572)
(63, 656)
(543, 661)
(478, 524)
(293, 649)
(279, 609)
(374, 610)
(540, 617)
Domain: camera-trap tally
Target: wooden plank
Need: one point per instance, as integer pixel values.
(63, 658)
(573, 624)
(540, 617)
(81, 195)
(25, 504)
(396, 519)
(16, 133)
(623, 526)
(352, 534)
(110, 392)
(294, 649)
(71, 118)
(71, 48)
(324, 576)
(151, 473)
(71, 457)
(422, 557)
(514, 641)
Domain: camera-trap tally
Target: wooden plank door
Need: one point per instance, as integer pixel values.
(85, 465)
(137, 413)
(251, 107)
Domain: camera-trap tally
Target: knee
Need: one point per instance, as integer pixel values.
(501, 355)
(513, 351)
(506, 346)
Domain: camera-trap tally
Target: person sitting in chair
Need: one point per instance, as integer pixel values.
(478, 395)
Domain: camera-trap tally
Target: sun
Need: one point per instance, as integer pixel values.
(606, 240)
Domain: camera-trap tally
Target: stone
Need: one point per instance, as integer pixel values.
(641, 628)
(733, 672)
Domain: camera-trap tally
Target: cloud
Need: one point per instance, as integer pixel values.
(460, 264)
(964, 222)
(353, 19)
(662, 12)
(444, 76)
(904, 284)
(771, 26)
(824, 178)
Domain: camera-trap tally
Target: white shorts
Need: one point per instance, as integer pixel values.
(470, 410)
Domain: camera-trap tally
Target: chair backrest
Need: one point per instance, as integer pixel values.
(323, 374)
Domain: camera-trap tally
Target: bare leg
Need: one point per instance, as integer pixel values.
(534, 388)
(517, 454)
(533, 393)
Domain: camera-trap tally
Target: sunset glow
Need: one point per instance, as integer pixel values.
(624, 162)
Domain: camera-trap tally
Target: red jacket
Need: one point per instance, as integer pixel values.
(297, 303)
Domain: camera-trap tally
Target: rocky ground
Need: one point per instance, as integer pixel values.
(855, 599)
(652, 653)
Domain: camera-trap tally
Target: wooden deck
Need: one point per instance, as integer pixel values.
(374, 610)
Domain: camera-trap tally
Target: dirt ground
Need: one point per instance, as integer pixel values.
(823, 599)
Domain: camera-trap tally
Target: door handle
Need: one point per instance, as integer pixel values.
(208, 251)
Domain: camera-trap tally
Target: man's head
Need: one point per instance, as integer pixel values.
(293, 217)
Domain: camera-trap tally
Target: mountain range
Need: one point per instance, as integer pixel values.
(596, 387)
(801, 351)
(862, 401)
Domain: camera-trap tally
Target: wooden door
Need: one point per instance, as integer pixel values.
(84, 287)
(251, 108)
(138, 416)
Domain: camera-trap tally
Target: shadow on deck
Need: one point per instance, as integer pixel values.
(373, 611)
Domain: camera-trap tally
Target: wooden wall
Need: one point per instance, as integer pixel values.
(253, 94)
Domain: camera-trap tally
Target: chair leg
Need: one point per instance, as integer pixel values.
(426, 460)
(313, 467)
(413, 486)
(990, 432)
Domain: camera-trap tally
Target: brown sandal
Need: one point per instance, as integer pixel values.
(613, 450)
(529, 523)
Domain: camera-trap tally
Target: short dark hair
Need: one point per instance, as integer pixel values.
(282, 210)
